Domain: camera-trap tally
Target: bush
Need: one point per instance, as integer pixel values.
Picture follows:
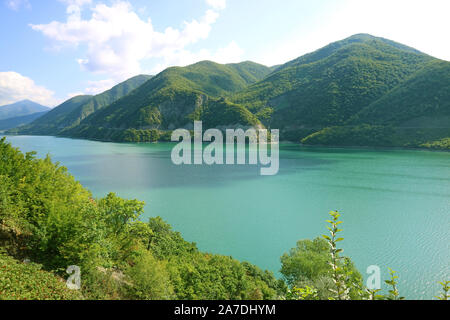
(20, 281)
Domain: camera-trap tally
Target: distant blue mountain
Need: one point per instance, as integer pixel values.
(21, 108)
(11, 123)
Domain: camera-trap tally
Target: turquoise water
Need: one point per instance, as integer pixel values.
(395, 203)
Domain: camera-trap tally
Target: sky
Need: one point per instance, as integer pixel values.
(52, 50)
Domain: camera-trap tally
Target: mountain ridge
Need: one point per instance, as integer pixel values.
(21, 108)
(71, 112)
(332, 87)
(11, 123)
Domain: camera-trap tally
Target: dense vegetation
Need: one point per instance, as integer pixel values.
(27, 281)
(328, 87)
(174, 98)
(360, 85)
(74, 110)
(48, 217)
(416, 113)
(443, 144)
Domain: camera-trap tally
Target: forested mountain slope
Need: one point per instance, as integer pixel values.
(174, 99)
(73, 111)
(416, 113)
(331, 85)
(362, 90)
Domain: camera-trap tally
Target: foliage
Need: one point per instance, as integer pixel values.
(74, 110)
(360, 91)
(306, 293)
(338, 271)
(425, 95)
(445, 289)
(362, 135)
(308, 261)
(48, 216)
(380, 136)
(346, 282)
(326, 88)
(217, 113)
(311, 265)
(414, 113)
(121, 257)
(393, 293)
(164, 102)
(27, 281)
(149, 279)
(443, 144)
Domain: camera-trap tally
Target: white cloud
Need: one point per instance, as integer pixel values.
(16, 87)
(419, 24)
(17, 4)
(118, 39)
(78, 3)
(229, 54)
(96, 87)
(217, 4)
(74, 94)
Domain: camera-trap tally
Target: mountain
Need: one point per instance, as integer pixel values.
(74, 110)
(414, 113)
(426, 94)
(21, 108)
(174, 99)
(10, 123)
(360, 91)
(327, 87)
(51, 122)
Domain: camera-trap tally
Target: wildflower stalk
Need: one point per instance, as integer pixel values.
(445, 289)
(394, 294)
(341, 290)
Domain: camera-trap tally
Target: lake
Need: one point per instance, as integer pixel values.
(395, 204)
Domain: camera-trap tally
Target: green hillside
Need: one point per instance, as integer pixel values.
(54, 120)
(215, 113)
(250, 71)
(73, 111)
(173, 99)
(329, 86)
(426, 94)
(362, 90)
(416, 113)
(215, 79)
(53, 220)
(106, 98)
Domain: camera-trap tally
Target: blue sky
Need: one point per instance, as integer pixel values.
(54, 49)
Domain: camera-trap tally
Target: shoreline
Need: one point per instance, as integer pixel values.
(368, 148)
